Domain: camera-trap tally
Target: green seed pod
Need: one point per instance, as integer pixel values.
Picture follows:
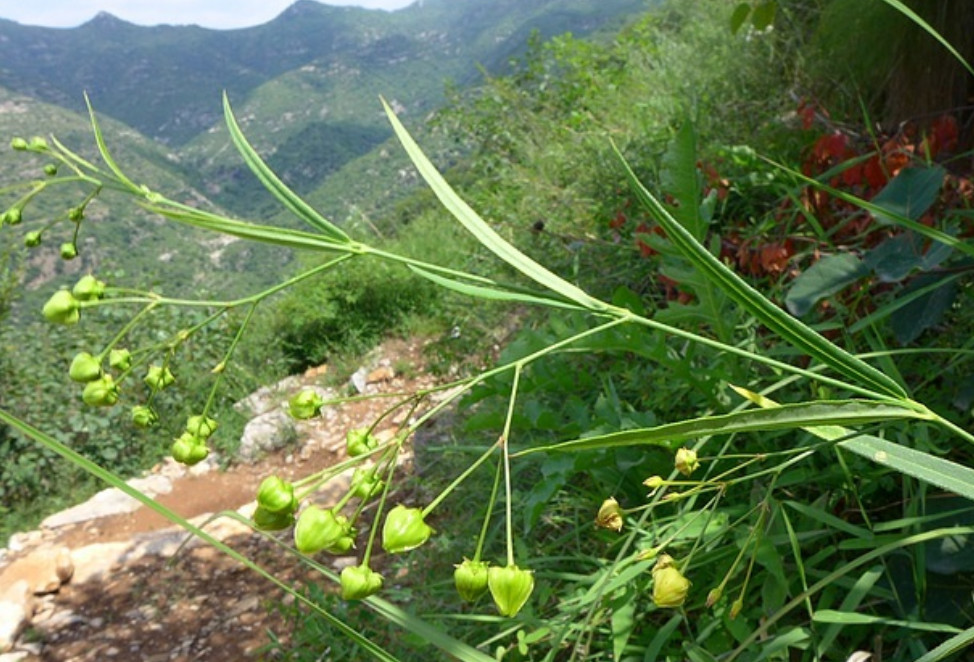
(670, 587)
(50, 169)
(470, 578)
(365, 484)
(120, 359)
(265, 520)
(144, 416)
(18, 144)
(84, 368)
(158, 377)
(37, 144)
(13, 216)
(69, 250)
(189, 449)
(32, 239)
(305, 404)
(320, 529)
(88, 288)
(404, 530)
(510, 587)
(201, 426)
(276, 495)
(359, 442)
(62, 308)
(102, 392)
(359, 582)
(76, 214)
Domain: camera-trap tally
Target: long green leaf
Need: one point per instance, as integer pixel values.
(780, 322)
(913, 16)
(854, 618)
(949, 647)
(480, 229)
(782, 417)
(272, 183)
(103, 148)
(491, 293)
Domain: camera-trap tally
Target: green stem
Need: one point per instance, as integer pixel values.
(504, 441)
(459, 479)
(490, 511)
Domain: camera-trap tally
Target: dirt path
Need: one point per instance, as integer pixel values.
(201, 605)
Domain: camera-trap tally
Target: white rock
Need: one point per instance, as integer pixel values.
(266, 433)
(19, 656)
(44, 570)
(110, 502)
(13, 617)
(96, 561)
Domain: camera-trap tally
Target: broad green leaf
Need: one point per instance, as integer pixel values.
(272, 183)
(492, 293)
(924, 311)
(763, 15)
(486, 235)
(741, 12)
(780, 322)
(853, 618)
(680, 179)
(850, 603)
(824, 278)
(782, 417)
(910, 194)
(623, 622)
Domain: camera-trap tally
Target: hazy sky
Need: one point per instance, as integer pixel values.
(208, 13)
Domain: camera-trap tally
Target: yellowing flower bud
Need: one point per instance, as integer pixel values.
(189, 449)
(470, 578)
(404, 530)
(62, 308)
(735, 609)
(158, 377)
(84, 368)
(359, 442)
(714, 595)
(609, 516)
(359, 582)
(670, 587)
(102, 392)
(88, 288)
(276, 495)
(305, 404)
(653, 482)
(510, 587)
(686, 461)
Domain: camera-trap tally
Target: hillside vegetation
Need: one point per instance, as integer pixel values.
(730, 415)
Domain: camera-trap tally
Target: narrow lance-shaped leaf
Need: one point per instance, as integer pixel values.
(783, 417)
(103, 148)
(272, 183)
(480, 229)
(780, 322)
(491, 293)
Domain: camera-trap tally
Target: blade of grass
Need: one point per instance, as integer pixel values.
(492, 293)
(913, 16)
(776, 319)
(103, 149)
(272, 183)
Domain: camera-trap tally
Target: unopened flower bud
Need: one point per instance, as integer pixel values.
(653, 482)
(37, 144)
(265, 520)
(102, 392)
(365, 484)
(305, 404)
(713, 596)
(69, 250)
(189, 449)
(276, 495)
(76, 214)
(686, 461)
(735, 609)
(144, 416)
(50, 169)
(470, 578)
(158, 377)
(670, 587)
(84, 368)
(62, 308)
(88, 288)
(510, 587)
(12, 216)
(359, 442)
(320, 529)
(18, 144)
(201, 426)
(359, 582)
(120, 359)
(32, 239)
(609, 516)
(404, 530)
